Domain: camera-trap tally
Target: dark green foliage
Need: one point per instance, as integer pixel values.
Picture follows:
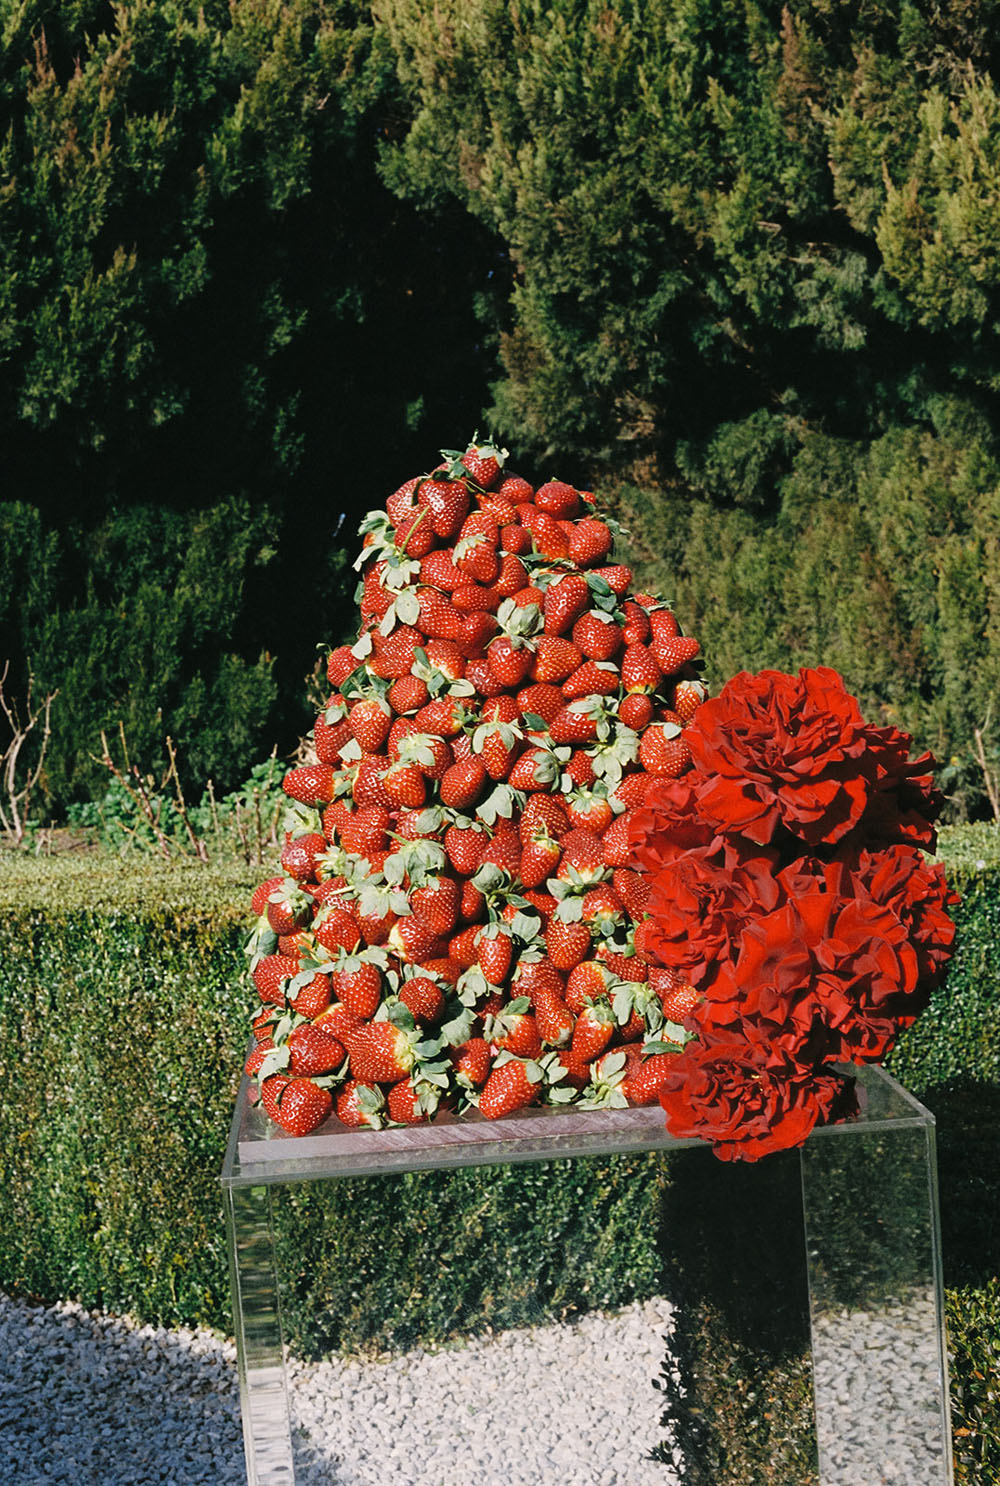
(880, 561)
(432, 1256)
(719, 215)
(216, 344)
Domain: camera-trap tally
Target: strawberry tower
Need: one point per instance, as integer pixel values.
(453, 925)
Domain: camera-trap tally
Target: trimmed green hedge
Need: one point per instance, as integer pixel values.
(122, 1027)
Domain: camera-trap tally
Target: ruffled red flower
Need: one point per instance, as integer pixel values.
(698, 905)
(822, 978)
(722, 1090)
(775, 750)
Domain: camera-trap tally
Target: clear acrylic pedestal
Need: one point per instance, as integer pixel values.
(869, 1238)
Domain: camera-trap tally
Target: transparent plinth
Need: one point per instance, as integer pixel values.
(859, 1220)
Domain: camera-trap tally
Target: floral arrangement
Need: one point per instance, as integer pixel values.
(529, 862)
(789, 889)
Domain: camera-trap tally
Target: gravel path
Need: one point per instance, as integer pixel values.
(89, 1398)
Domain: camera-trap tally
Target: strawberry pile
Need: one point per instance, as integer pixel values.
(453, 924)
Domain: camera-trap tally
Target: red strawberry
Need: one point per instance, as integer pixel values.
(439, 619)
(341, 663)
(261, 894)
(515, 539)
(271, 976)
(405, 785)
(296, 1104)
(538, 768)
(494, 952)
(674, 653)
(463, 947)
(369, 721)
(381, 1053)
(539, 859)
(394, 656)
(661, 753)
(591, 811)
(632, 888)
(497, 744)
(313, 1051)
(565, 600)
(646, 1077)
(547, 537)
(543, 810)
(436, 905)
(413, 941)
(331, 731)
(509, 663)
(553, 1019)
(359, 986)
(438, 570)
(586, 983)
(360, 1104)
(483, 463)
(636, 710)
(603, 910)
(477, 558)
(590, 542)
(288, 907)
(593, 678)
(688, 697)
(445, 717)
(597, 635)
(424, 998)
(511, 1085)
(312, 784)
(540, 700)
(300, 855)
(513, 575)
(635, 625)
(364, 830)
(555, 659)
(557, 498)
(632, 789)
(533, 978)
(618, 578)
(594, 1029)
(679, 1002)
(515, 489)
(447, 504)
(472, 1061)
(465, 846)
(583, 858)
(463, 783)
(568, 944)
(640, 671)
(662, 622)
(575, 723)
(616, 843)
(313, 998)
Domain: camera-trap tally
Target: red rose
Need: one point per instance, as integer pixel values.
(724, 1091)
(820, 978)
(698, 906)
(775, 750)
(669, 824)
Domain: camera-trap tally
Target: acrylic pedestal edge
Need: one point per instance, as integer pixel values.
(871, 1253)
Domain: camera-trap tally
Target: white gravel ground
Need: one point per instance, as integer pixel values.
(90, 1398)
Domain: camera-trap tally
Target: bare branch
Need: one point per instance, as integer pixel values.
(15, 801)
(197, 843)
(989, 775)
